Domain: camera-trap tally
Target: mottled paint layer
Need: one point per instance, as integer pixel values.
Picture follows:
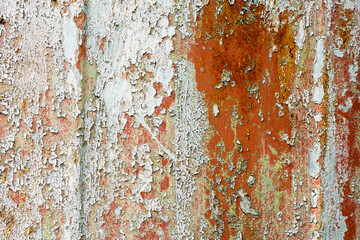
(179, 119)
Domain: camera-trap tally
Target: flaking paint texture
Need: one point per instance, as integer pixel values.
(179, 119)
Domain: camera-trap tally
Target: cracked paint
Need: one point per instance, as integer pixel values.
(179, 119)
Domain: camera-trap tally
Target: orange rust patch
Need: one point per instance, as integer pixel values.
(17, 197)
(82, 53)
(157, 86)
(102, 45)
(168, 101)
(237, 46)
(80, 20)
(164, 184)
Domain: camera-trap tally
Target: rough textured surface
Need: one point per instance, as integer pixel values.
(179, 119)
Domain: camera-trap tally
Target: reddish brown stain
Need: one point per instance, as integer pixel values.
(157, 86)
(82, 54)
(168, 101)
(102, 45)
(80, 20)
(164, 184)
(240, 44)
(17, 197)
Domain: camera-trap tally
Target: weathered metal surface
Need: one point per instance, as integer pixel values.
(179, 119)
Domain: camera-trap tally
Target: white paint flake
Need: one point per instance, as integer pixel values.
(314, 155)
(215, 109)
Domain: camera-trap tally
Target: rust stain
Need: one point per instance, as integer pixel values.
(347, 134)
(240, 44)
(80, 20)
(108, 145)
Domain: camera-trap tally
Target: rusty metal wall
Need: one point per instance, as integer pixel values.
(179, 119)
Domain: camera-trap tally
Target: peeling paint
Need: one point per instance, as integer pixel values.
(162, 119)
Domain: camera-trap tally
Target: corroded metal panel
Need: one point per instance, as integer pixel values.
(179, 119)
